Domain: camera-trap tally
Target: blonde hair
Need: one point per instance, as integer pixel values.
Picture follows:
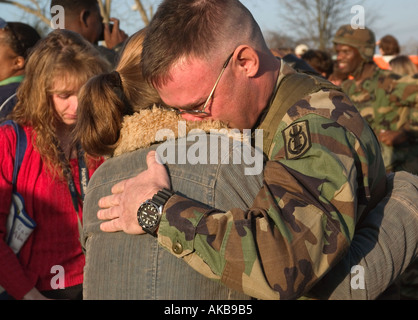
(65, 55)
(105, 99)
(402, 65)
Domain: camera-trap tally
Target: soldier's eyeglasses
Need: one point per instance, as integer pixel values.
(201, 112)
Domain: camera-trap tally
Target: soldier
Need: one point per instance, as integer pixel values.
(386, 100)
(321, 177)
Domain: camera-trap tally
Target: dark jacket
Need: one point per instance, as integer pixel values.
(8, 98)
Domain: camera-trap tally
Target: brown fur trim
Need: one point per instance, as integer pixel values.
(140, 129)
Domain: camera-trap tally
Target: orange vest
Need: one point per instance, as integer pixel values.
(414, 59)
(382, 64)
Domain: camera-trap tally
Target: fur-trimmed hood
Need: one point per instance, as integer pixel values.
(141, 129)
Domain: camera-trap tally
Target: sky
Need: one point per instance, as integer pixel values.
(399, 17)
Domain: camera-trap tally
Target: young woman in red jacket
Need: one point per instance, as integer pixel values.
(54, 171)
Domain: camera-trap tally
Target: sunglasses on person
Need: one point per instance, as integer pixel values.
(201, 112)
(15, 40)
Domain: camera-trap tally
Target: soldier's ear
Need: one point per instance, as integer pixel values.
(247, 60)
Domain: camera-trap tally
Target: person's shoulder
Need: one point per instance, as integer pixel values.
(7, 90)
(403, 85)
(119, 168)
(6, 128)
(408, 79)
(386, 74)
(7, 135)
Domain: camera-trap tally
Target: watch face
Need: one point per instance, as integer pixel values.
(148, 215)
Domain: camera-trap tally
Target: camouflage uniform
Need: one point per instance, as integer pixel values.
(386, 100)
(323, 167)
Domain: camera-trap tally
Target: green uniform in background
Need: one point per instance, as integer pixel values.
(388, 102)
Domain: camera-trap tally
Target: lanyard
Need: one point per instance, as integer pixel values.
(83, 175)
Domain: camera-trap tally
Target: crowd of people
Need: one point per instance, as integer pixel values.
(339, 156)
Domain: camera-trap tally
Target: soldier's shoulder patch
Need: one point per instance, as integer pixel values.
(297, 140)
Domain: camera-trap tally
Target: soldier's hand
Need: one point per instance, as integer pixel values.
(392, 138)
(120, 208)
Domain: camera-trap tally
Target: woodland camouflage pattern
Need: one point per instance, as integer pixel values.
(323, 166)
(386, 100)
(389, 102)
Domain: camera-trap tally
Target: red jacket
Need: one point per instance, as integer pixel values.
(55, 240)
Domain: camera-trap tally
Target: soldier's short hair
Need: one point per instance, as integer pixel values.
(74, 7)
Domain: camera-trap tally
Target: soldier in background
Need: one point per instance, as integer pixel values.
(386, 100)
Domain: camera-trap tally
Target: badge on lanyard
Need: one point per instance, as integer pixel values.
(84, 179)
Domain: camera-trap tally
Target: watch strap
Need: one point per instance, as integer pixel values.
(162, 196)
(158, 200)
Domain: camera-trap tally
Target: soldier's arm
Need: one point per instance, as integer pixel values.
(302, 220)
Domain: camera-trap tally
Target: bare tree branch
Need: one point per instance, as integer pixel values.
(38, 9)
(142, 11)
(314, 21)
(36, 12)
(104, 10)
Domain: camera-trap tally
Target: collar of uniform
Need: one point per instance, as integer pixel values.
(285, 70)
(364, 71)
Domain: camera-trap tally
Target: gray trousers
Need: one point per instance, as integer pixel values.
(122, 266)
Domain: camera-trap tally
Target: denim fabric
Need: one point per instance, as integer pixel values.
(122, 266)
(385, 243)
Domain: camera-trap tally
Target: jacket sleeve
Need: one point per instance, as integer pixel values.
(300, 224)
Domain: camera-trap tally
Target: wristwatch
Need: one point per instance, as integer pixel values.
(149, 212)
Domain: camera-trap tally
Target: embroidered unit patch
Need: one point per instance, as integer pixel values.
(297, 140)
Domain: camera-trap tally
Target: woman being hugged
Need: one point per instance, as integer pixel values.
(53, 170)
(108, 99)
